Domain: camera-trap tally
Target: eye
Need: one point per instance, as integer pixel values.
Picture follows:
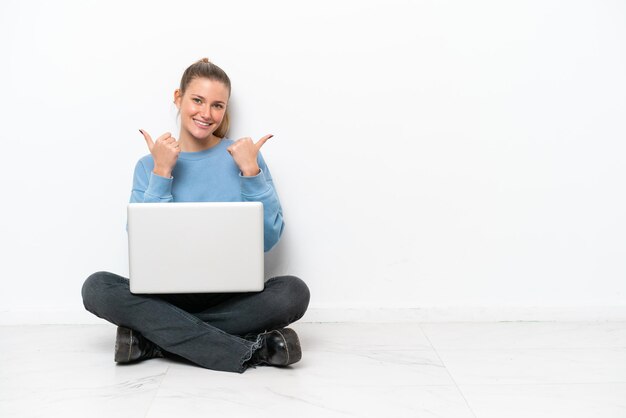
(196, 100)
(218, 105)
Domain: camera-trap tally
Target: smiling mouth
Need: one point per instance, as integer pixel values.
(202, 124)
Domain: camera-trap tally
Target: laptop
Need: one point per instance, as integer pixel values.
(195, 247)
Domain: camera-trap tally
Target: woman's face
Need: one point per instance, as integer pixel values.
(202, 107)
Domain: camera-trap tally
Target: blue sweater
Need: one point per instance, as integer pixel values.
(211, 176)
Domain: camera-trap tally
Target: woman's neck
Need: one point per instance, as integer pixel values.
(190, 144)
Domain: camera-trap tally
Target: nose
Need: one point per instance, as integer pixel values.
(205, 112)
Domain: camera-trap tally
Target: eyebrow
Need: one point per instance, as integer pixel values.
(204, 98)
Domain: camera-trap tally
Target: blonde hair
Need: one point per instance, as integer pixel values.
(205, 68)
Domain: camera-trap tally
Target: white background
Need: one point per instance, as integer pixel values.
(442, 156)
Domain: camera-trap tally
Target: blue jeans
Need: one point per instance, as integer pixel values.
(217, 331)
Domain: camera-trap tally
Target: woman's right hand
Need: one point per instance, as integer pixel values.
(164, 151)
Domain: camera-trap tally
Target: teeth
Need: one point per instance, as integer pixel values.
(202, 123)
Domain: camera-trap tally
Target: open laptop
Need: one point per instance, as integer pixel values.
(195, 247)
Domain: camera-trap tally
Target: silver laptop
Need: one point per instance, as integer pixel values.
(199, 247)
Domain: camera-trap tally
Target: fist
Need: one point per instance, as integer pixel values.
(164, 151)
(245, 153)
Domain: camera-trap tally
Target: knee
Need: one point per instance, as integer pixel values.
(95, 288)
(297, 294)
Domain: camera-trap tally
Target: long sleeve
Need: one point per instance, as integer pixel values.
(149, 187)
(260, 188)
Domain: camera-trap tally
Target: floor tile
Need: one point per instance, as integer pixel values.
(283, 398)
(478, 370)
(62, 384)
(535, 366)
(54, 338)
(526, 335)
(601, 400)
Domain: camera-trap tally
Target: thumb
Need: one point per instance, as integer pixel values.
(262, 141)
(148, 139)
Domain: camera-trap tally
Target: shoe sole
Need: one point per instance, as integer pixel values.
(294, 351)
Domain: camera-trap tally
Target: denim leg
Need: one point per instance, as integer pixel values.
(108, 296)
(284, 300)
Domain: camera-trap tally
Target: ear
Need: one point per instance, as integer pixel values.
(177, 98)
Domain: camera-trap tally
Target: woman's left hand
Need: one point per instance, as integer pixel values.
(245, 152)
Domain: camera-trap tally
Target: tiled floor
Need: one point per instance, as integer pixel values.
(482, 370)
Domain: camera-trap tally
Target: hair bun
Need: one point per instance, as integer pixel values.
(205, 60)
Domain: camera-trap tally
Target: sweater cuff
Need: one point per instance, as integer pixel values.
(159, 186)
(253, 185)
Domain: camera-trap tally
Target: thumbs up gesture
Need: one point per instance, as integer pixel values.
(245, 152)
(164, 151)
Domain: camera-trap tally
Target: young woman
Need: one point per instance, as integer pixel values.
(219, 331)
